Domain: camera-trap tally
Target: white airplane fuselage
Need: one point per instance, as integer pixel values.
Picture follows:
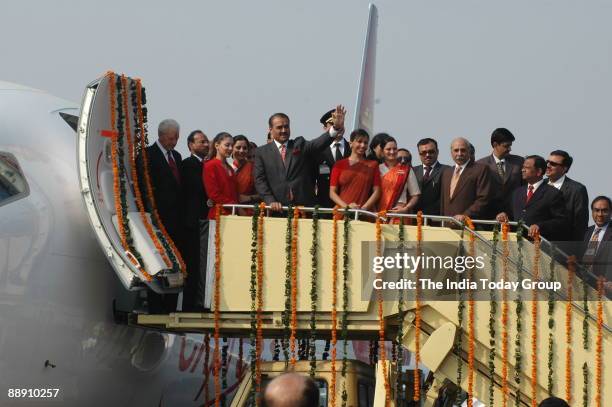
(57, 289)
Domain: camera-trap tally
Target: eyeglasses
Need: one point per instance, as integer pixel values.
(553, 164)
(427, 152)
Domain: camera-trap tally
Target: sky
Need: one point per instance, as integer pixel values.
(445, 68)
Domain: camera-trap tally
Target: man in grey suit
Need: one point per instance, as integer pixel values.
(505, 171)
(283, 173)
(428, 175)
(574, 193)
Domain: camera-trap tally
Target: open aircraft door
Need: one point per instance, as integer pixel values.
(112, 136)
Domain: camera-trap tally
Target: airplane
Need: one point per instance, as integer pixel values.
(62, 337)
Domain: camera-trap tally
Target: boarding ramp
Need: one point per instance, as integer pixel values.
(443, 344)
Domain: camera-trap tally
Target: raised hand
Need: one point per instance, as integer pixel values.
(338, 115)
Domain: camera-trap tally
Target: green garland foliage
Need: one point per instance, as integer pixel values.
(492, 317)
(287, 312)
(314, 256)
(518, 356)
(345, 302)
(399, 354)
(585, 320)
(585, 386)
(253, 291)
(224, 370)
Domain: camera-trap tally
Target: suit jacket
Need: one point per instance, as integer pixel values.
(194, 194)
(546, 209)
(166, 190)
(503, 187)
(602, 262)
(429, 202)
(472, 193)
(577, 207)
(323, 163)
(274, 179)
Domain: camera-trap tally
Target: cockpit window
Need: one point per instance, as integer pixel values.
(13, 185)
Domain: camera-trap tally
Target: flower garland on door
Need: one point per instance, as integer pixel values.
(119, 173)
(334, 316)
(314, 253)
(381, 340)
(504, 319)
(417, 320)
(534, 321)
(166, 241)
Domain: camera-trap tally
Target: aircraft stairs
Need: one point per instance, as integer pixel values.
(443, 346)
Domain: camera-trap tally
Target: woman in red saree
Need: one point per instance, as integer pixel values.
(218, 176)
(400, 190)
(243, 171)
(355, 181)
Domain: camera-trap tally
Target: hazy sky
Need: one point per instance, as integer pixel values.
(543, 69)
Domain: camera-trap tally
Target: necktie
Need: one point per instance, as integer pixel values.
(338, 156)
(427, 174)
(454, 180)
(501, 171)
(283, 151)
(173, 167)
(529, 193)
(591, 251)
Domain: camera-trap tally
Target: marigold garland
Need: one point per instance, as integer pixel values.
(551, 326)
(288, 269)
(399, 356)
(599, 341)
(417, 321)
(504, 319)
(132, 152)
(471, 322)
(314, 253)
(253, 291)
(216, 301)
(334, 315)
(534, 321)
(294, 266)
(381, 347)
(492, 317)
(260, 277)
(571, 269)
(166, 241)
(518, 356)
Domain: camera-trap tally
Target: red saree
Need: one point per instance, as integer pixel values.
(244, 179)
(392, 186)
(354, 183)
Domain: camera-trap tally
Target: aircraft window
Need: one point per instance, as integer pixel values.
(13, 185)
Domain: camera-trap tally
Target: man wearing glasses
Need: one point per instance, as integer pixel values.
(505, 170)
(428, 175)
(574, 193)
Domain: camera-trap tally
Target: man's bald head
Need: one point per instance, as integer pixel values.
(292, 390)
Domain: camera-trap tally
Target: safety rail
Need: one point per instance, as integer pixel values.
(427, 219)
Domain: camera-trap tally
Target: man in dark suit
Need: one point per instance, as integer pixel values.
(428, 175)
(505, 170)
(465, 187)
(283, 175)
(165, 172)
(325, 160)
(598, 242)
(538, 204)
(574, 193)
(195, 221)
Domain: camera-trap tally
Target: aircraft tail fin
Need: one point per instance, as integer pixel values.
(364, 107)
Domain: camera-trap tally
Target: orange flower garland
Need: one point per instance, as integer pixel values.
(471, 322)
(294, 264)
(571, 269)
(259, 337)
(599, 341)
(417, 320)
(534, 321)
(147, 176)
(381, 339)
(504, 320)
(136, 186)
(217, 296)
(116, 182)
(334, 304)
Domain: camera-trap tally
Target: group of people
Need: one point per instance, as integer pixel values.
(370, 174)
